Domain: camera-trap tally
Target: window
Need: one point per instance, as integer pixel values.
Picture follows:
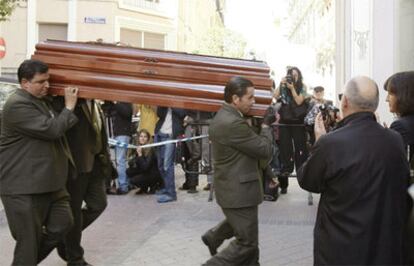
(53, 31)
(141, 39)
(131, 37)
(154, 41)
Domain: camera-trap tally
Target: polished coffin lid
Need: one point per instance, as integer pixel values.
(162, 78)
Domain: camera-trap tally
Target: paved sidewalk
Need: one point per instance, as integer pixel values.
(135, 230)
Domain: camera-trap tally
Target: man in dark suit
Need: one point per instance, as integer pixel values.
(34, 160)
(361, 171)
(89, 146)
(237, 150)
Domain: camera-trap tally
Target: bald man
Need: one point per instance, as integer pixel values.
(360, 170)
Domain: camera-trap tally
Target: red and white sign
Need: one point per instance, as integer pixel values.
(2, 47)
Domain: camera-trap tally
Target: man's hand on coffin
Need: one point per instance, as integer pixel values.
(71, 97)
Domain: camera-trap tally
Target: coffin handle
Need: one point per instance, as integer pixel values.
(149, 72)
(151, 60)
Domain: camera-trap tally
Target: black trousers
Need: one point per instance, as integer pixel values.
(191, 179)
(146, 180)
(242, 223)
(90, 189)
(38, 222)
(293, 151)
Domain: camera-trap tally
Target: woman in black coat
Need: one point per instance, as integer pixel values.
(400, 98)
(143, 170)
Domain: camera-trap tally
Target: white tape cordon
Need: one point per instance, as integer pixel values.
(131, 146)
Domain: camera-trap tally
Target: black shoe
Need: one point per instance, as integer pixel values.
(283, 191)
(111, 191)
(184, 187)
(139, 191)
(192, 190)
(121, 192)
(82, 263)
(61, 251)
(207, 242)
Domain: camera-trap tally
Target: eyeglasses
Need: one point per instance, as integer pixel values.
(340, 96)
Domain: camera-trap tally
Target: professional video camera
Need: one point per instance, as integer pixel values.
(329, 115)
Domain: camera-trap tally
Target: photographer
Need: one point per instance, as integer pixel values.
(292, 135)
(318, 104)
(360, 170)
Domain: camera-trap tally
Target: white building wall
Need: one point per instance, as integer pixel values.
(374, 38)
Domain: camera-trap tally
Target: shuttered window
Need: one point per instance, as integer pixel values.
(53, 32)
(142, 39)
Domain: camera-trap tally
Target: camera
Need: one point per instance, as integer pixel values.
(289, 79)
(329, 115)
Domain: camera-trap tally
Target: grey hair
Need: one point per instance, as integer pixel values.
(353, 93)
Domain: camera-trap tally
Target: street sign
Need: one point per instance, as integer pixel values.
(2, 48)
(95, 20)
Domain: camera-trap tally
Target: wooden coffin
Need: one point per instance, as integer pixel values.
(162, 78)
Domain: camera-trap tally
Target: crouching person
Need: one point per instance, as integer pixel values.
(143, 168)
(34, 165)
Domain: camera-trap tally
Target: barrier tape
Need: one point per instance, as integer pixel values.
(131, 146)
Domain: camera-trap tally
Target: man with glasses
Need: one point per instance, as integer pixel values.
(361, 171)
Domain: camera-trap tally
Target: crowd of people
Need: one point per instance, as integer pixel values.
(55, 156)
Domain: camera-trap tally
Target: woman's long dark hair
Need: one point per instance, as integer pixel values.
(402, 86)
(298, 84)
(146, 151)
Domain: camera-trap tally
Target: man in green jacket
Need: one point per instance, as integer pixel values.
(237, 150)
(34, 164)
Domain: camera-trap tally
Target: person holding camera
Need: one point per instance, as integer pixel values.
(237, 150)
(400, 98)
(292, 135)
(361, 171)
(318, 104)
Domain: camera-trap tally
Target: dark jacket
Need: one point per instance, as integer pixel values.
(122, 116)
(405, 127)
(361, 171)
(237, 150)
(86, 144)
(32, 156)
(177, 120)
(145, 166)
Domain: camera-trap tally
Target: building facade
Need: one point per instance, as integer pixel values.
(311, 26)
(374, 38)
(156, 24)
